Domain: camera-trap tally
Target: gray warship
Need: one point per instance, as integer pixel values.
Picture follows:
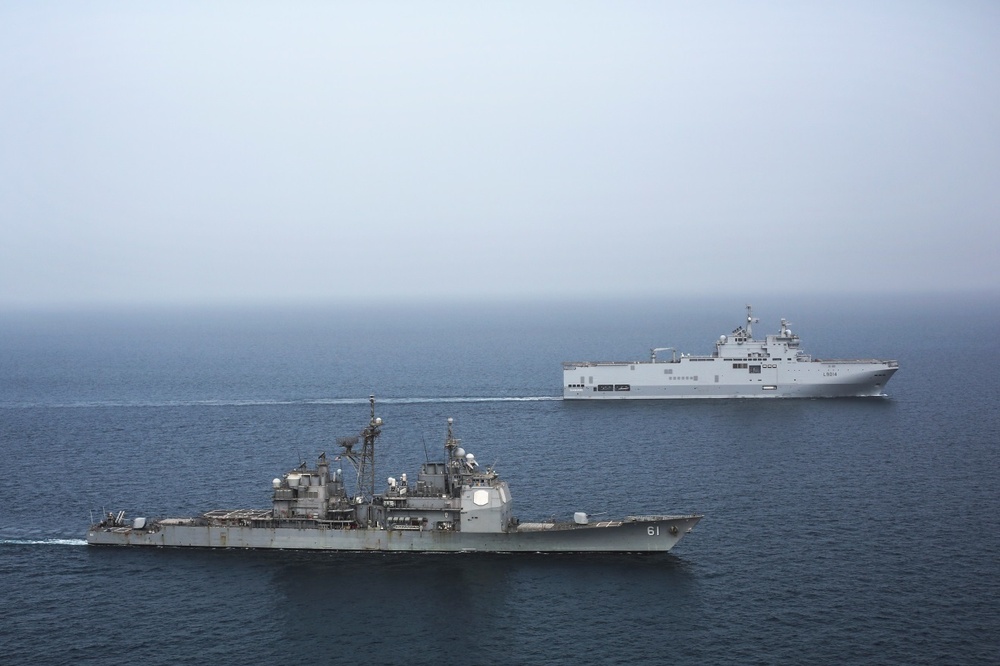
(453, 506)
(740, 367)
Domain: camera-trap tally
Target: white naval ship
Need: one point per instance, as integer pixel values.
(740, 367)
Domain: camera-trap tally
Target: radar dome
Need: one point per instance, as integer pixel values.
(276, 483)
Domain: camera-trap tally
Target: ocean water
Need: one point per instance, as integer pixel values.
(835, 531)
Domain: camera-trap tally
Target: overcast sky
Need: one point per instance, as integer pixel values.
(240, 152)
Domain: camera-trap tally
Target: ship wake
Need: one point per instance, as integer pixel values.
(279, 402)
(42, 542)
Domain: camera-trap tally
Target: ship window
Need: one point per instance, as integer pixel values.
(668, 371)
(754, 369)
(717, 379)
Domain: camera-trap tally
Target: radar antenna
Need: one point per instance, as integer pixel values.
(450, 443)
(785, 331)
(750, 321)
(364, 462)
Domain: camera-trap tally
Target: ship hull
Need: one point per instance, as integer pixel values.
(655, 534)
(707, 377)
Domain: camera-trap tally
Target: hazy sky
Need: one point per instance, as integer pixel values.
(216, 151)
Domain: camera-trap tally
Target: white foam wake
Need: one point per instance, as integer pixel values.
(43, 542)
(414, 401)
(305, 401)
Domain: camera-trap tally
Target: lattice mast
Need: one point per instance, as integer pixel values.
(364, 462)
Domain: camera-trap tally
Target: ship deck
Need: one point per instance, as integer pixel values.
(228, 515)
(570, 365)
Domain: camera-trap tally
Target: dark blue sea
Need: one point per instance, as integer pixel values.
(835, 531)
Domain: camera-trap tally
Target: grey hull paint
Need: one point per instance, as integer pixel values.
(654, 534)
(452, 506)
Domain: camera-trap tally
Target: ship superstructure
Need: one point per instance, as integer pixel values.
(453, 505)
(740, 367)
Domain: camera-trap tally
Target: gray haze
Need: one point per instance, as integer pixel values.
(261, 152)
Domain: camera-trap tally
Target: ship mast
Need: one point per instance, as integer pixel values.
(750, 321)
(458, 461)
(365, 462)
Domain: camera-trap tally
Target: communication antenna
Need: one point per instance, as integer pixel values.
(364, 462)
(750, 321)
(450, 443)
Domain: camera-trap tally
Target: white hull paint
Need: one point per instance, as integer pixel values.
(740, 367)
(645, 380)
